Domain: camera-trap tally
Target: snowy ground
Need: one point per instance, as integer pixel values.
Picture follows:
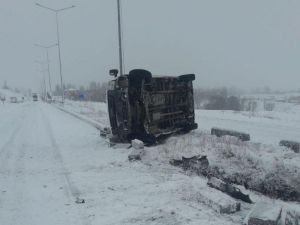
(48, 159)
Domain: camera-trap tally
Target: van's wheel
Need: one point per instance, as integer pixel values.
(187, 77)
(139, 75)
(136, 79)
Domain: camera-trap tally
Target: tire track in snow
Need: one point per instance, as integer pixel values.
(73, 192)
(11, 168)
(18, 203)
(6, 150)
(19, 170)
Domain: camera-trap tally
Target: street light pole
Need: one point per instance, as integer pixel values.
(120, 38)
(48, 67)
(43, 83)
(48, 62)
(59, 57)
(58, 42)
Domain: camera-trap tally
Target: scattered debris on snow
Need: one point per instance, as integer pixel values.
(198, 164)
(262, 168)
(138, 150)
(229, 189)
(105, 132)
(79, 200)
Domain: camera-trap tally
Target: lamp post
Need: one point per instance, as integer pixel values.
(43, 73)
(47, 61)
(58, 41)
(120, 38)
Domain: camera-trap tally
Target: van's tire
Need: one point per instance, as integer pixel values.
(187, 77)
(140, 74)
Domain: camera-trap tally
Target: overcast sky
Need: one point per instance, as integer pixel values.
(224, 42)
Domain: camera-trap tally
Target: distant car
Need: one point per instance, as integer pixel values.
(2, 99)
(34, 97)
(13, 99)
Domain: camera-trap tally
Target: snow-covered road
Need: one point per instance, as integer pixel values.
(36, 187)
(48, 159)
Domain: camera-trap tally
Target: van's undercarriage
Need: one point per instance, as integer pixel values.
(145, 107)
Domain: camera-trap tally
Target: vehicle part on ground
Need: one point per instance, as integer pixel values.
(198, 164)
(105, 132)
(228, 189)
(222, 132)
(295, 146)
(145, 107)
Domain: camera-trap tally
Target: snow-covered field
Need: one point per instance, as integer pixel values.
(263, 126)
(48, 159)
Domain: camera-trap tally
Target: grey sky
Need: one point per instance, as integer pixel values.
(224, 42)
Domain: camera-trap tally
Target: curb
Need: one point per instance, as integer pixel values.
(86, 120)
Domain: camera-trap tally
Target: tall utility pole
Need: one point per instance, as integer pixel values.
(48, 62)
(43, 73)
(120, 38)
(58, 41)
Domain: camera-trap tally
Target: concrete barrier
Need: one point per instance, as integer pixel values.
(222, 132)
(295, 146)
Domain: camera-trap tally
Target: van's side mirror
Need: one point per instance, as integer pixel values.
(114, 72)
